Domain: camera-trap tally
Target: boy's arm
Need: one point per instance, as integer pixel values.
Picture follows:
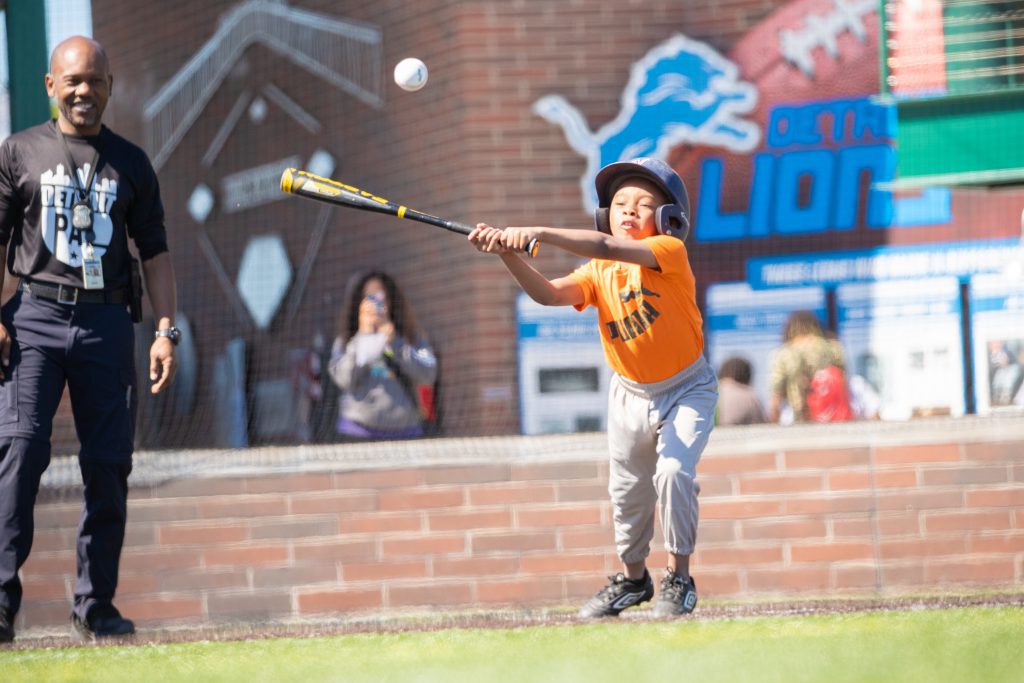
(563, 291)
(588, 243)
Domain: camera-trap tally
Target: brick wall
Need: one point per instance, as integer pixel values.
(525, 522)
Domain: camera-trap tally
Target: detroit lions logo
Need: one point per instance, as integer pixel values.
(57, 196)
(681, 91)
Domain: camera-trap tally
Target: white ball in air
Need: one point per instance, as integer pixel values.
(411, 74)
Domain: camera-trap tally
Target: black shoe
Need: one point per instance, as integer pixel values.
(6, 626)
(617, 596)
(677, 597)
(102, 621)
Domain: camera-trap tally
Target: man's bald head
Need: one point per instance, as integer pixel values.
(80, 82)
(74, 46)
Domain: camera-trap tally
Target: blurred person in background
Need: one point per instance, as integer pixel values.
(381, 361)
(808, 374)
(738, 403)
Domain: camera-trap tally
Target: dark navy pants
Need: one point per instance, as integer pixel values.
(90, 349)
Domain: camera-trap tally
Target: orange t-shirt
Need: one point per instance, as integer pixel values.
(651, 328)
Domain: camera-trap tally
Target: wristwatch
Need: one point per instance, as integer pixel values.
(172, 333)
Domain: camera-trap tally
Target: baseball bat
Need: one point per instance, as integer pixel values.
(305, 184)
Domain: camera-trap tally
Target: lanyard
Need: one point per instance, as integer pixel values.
(81, 211)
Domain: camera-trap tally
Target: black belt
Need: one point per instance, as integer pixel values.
(66, 294)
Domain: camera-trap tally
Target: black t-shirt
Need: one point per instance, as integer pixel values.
(37, 193)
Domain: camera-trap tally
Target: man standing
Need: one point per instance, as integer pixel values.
(71, 194)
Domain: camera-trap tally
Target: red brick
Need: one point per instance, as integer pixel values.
(294, 528)
(331, 502)
(980, 571)
(783, 529)
(137, 584)
(717, 531)
(825, 459)
(896, 574)
(162, 510)
(420, 499)
(938, 522)
(592, 537)
(919, 499)
(510, 542)
(55, 586)
(923, 453)
(246, 555)
(512, 492)
(1012, 542)
(243, 506)
(832, 552)
(558, 471)
(202, 533)
(1005, 451)
(199, 487)
(249, 604)
(471, 519)
(518, 591)
(852, 527)
(158, 560)
(740, 509)
(561, 515)
(289, 483)
(996, 498)
(383, 571)
(715, 584)
(340, 600)
(779, 484)
(717, 486)
(288, 577)
(899, 524)
(559, 564)
(472, 567)
(741, 555)
(963, 476)
(378, 479)
(864, 577)
(803, 579)
(357, 523)
(571, 492)
(334, 550)
(203, 579)
(433, 593)
(161, 608)
(736, 464)
(415, 546)
(828, 504)
(476, 474)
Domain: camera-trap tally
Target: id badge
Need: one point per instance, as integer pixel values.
(92, 268)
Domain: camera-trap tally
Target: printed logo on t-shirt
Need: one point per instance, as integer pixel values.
(639, 320)
(57, 196)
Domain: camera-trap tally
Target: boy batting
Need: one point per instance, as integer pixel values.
(662, 396)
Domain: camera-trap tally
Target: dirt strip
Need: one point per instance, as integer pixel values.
(505, 619)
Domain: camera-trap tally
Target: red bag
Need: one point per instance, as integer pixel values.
(828, 399)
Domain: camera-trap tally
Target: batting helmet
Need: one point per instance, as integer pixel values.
(672, 219)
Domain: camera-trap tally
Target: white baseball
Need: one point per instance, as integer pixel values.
(411, 74)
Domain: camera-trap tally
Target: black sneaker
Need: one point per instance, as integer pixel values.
(102, 621)
(617, 596)
(6, 626)
(677, 597)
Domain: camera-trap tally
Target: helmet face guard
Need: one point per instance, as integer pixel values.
(671, 219)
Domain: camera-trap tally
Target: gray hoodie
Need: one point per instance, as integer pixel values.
(372, 394)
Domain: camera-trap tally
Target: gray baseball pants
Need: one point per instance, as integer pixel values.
(656, 434)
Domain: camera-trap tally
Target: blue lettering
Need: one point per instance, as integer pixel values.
(790, 217)
(879, 162)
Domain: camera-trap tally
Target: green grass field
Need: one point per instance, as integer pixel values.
(930, 646)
